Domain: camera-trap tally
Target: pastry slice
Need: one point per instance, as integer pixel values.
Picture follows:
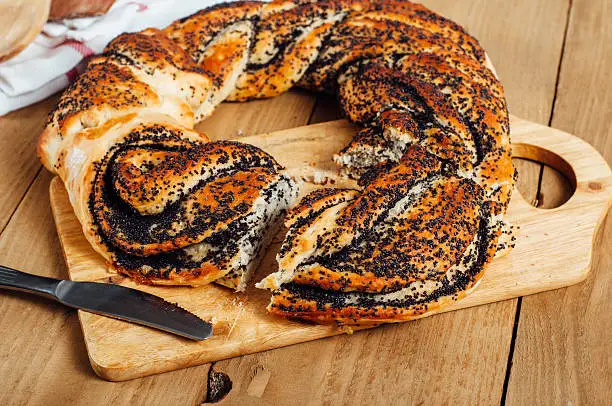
(417, 237)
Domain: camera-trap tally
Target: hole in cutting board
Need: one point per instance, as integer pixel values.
(541, 185)
(545, 179)
(555, 188)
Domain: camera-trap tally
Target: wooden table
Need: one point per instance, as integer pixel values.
(554, 59)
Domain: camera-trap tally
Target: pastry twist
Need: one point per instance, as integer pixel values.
(433, 156)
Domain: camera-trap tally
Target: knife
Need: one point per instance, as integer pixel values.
(113, 301)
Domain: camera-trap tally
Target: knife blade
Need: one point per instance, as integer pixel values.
(114, 301)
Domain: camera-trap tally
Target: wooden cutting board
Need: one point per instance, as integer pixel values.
(553, 250)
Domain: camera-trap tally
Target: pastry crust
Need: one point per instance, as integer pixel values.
(165, 205)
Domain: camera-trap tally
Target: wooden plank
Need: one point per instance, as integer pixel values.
(19, 132)
(562, 353)
(584, 101)
(395, 364)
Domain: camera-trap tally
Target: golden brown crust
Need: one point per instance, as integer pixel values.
(152, 50)
(224, 61)
(158, 61)
(476, 98)
(412, 301)
(61, 10)
(404, 248)
(195, 32)
(339, 225)
(317, 201)
(194, 220)
(328, 307)
(417, 15)
(289, 304)
(166, 207)
(279, 76)
(360, 38)
(150, 180)
(105, 89)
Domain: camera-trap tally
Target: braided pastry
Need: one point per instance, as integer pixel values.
(159, 201)
(167, 206)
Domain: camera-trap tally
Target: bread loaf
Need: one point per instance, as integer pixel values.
(164, 205)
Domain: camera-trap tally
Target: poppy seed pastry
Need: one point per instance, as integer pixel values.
(165, 205)
(415, 238)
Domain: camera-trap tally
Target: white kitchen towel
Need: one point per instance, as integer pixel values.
(56, 56)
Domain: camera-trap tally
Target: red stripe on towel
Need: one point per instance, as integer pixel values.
(72, 74)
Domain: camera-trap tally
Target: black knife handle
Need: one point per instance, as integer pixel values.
(17, 280)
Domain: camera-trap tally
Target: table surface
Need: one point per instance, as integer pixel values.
(553, 57)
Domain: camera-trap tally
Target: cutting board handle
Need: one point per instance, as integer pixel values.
(586, 170)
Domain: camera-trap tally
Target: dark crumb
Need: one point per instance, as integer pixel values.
(219, 385)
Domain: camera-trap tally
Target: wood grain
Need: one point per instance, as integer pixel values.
(562, 352)
(237, 120)
(381, 366)
(19, 131)
(241, 323)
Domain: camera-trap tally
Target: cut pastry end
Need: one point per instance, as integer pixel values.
(231, 257)
(415, 300)
(385, 140)
(255, 243)
(288, 261)
(238, 279)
